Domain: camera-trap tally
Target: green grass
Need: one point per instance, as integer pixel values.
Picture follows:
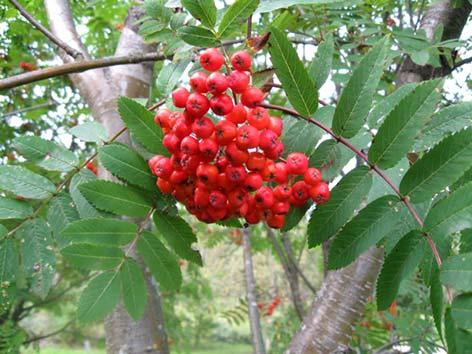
(214, 348)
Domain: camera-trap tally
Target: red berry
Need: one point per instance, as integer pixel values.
(221, 163)
(217, 83)
(241, 60)
(189, 163)
(253, 181)
(178, 177)
(162, 118)
(235, 174)
(238, 114)
(163, 168)
(201, 197)
(198, 82)
(252, 96)
(312, 176)
(208, 149)
(207, 173)
(248, 137)
(320, 193)
(181, 128)
(237, 197)
(197, 104)
(276, 125)
(152, 162)
(211, 59)
(235, 154)
(300, 191)
(297, 163)
(282, 192)
(180, 96)
(203, 127)
(281, 172)
(268, 139)
(275, 152)
(171, 142)
(265, 197)
(221, 104)
(218, 199)
(225, 132)
(189, 145)
(165, 186)
(280, 208)
(275, 222)
(258, 117)
(256, 161)
(254, 217)
(238, 81)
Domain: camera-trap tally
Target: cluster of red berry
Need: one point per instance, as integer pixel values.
(232, 167)
(268, 309)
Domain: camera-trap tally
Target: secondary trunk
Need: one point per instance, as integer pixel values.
(101, 89)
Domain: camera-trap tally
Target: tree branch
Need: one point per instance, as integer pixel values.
(78, 66)
(60, 330)
(374, 167)
(61, 44)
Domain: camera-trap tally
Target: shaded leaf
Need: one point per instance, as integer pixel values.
(397, 133)
(320, 66)
(92, 132)
(456, 271)
(294, 216)
(197, 36)
(127, 164)
(237, 13)
(100, 297)
(299, 87)
(141, 124)
(356, 98)
(100, 231)
(299, 136)
(440, 167)
(345, 198)
(202, 10)
(61, 212)
(178, 234)
(461, 309)
(14, 209)
(134, 289)
(363, 231)
(116, 198)
(327, 158)
(272, 5)
(163, 264)
(436, 297)
(8, 260)
(458, 340)
(398, 265)
(88, 256)
(85, 209)
(24, 183)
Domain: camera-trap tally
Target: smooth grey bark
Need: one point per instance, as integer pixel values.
(254, 318)
(290, 273)
(100, 89)
(340, 304)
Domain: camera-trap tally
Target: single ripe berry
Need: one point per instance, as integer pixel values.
(252, 96)
(248, 137)
(207, 173)
(152, 162)
(171, 142)
(197, 104)
(162, 118)
(180, 96)
(268, 139)
(300, 191)
(221, 163)
(276, 222)
(312, 176)
(281, 172)
(253, 181)
(282, 192)
(297, 163)
(236, 155)
(181, 128)
(211, 59)
(164, 186)
(276, 125)
(225, 132)
(280, 208)
(208, 149)
(258, 117)
(201, 197)
(218, 199)
(217, 83)
(235, 174)
(238, 114)
(203, 127)
(189, 163)
(178, 177)
(241, 60)
(237, 197)
(189, 145)
(320, 193)
(198, 82)
(238, 81)
(265, 197)
(275, 152)
(221, 104)
(163, 168)
(256, 161)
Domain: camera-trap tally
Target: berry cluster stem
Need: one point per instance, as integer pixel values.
(374, 167)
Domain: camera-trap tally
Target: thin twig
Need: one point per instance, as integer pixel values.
(374, 167)
(60, 330)
(29, 109)
(61, 44)
(78, 66)
(73, 173)
(249, 27)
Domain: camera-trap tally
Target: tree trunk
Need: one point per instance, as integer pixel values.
(254, 319)
(100, 89)
(340, 303)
